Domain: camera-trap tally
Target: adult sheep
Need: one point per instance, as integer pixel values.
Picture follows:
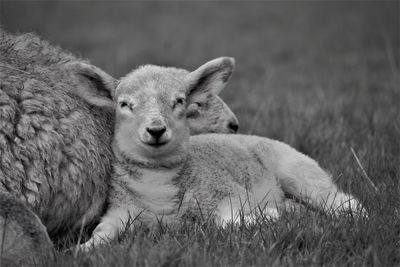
(55, 148)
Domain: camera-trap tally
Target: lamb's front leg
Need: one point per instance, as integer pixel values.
(114, 222)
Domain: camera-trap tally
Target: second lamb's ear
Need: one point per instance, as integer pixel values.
(92, 84)
(211, 77)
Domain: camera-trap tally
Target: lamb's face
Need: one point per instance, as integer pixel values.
(207, 113)
(150, 114)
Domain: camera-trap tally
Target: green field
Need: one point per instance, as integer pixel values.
(321, 76)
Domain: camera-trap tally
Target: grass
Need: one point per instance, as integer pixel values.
(322, 77)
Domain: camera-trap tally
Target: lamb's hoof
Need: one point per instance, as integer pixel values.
(85, 247)
(271, 214)
(354, 208)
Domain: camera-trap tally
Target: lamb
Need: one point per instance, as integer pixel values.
(162, 173)
(55, 147)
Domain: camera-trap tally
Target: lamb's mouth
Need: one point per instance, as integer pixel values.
(156, 143)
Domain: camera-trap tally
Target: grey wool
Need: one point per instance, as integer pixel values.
(55, 153)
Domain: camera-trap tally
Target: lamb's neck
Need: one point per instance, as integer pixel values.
(132, 165)
(149, 173)
(172, 160)
(156, 188)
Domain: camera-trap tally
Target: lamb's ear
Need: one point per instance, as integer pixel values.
(92, 84)
(211, 77)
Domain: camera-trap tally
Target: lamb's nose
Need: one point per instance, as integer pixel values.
(156, 131)
(234, 126)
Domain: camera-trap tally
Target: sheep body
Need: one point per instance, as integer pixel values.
(54, 147)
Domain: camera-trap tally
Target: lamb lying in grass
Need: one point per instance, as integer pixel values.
(161, 172)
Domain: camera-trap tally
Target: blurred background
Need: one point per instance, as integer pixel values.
(315, 74)
(322, 76)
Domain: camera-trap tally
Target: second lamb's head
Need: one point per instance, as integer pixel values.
(156, 107)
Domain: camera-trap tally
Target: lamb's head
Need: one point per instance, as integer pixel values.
(154, 107)
(158, 107)
(206, 112)
(150, 113)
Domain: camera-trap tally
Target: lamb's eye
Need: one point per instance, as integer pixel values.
(123, 104)
(198, 104)
(126, 105)
(179, 101)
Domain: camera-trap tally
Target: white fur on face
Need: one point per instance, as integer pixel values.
(154, 95)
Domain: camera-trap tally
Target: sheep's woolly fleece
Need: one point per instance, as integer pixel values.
(55, 152)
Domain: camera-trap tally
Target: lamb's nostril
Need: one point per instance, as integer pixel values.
(233, 126)
(156, 132)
